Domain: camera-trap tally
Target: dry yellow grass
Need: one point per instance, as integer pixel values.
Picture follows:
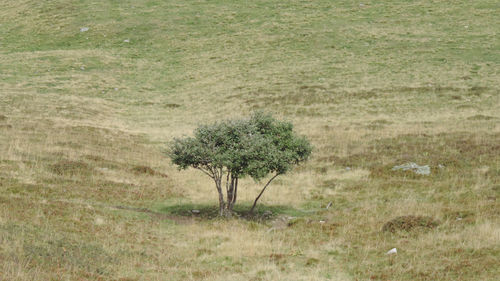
(371, 86)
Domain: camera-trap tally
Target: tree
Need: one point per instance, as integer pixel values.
(232, 149)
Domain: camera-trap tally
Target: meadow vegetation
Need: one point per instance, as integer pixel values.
(87, 193)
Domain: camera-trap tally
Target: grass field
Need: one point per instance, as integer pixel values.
(86, 192)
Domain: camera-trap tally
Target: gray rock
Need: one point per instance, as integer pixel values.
(126, 40)
(84, 29)
(196, 212)
(417, 169)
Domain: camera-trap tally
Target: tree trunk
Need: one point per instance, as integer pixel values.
(233, 190)
(235, 193)
(230, 190)
(221, 202)
(218, 185)
(260, 194)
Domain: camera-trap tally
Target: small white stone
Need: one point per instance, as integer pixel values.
(84, 29)
(392, 251)
(195, 212)
(126, 40)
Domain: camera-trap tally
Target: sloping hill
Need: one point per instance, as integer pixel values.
(92, 91)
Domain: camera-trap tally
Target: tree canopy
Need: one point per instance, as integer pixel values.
(254, 147)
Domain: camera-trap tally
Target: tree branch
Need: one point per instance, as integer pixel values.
(260, 194)
(206, 172)
(213, 170)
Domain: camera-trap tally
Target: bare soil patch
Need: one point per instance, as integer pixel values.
(148, 171)
(409, 223)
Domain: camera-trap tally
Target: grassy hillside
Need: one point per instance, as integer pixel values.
(92, 91)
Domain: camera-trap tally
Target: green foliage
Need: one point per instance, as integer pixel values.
(232, 149)
(255, 147)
